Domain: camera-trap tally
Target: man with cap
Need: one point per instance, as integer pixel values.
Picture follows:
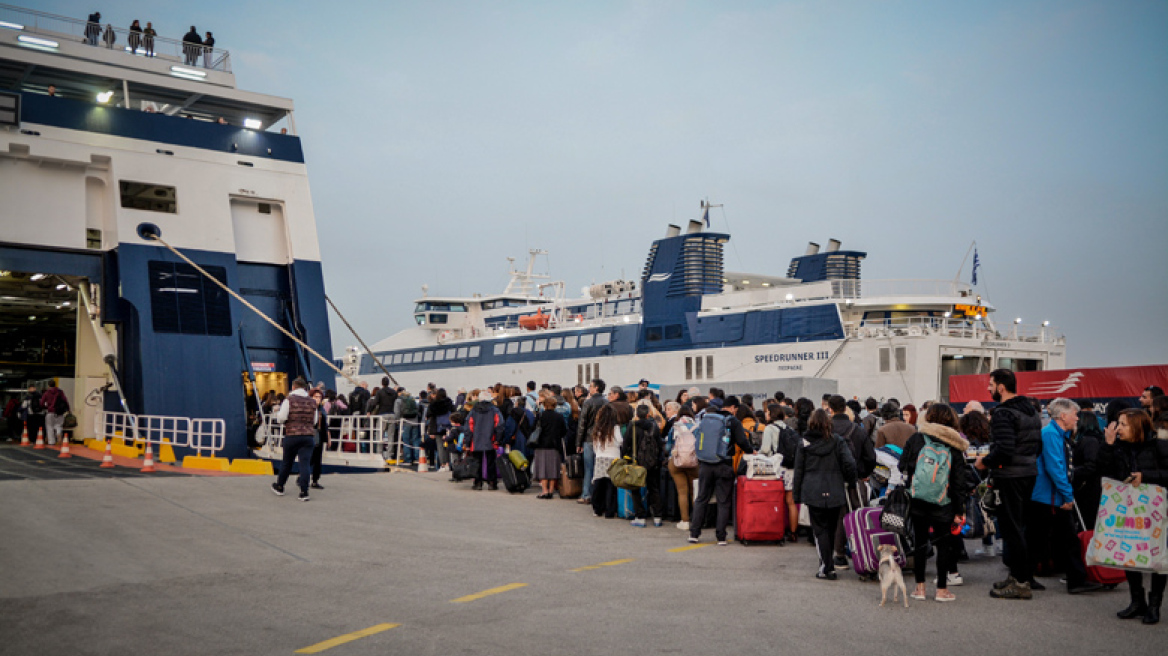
(717, 479)
(299, 415)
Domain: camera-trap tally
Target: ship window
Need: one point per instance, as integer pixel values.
(885, 365)
(673, 332)
(689, 368)
(462, 352)
(624, 307)
(428, 357)
(397, 359)
(420, 319)
(385, 359)
(147, 196)
(437, 318)
(596, 370)
(709, 366)
(406, 358)
(440, 354)
(579, 374)
(540, 345)
(450, 353)
(587, 372)
(654, 334)
(500, 348)
(609, 309)
(512, 348)
(554, 343)
(474, 351)
(603, 339)
(183, 301)
(901, 358)
(93, 238)
(698, 367)
(586, 342)
(570, 342)
(525, 346)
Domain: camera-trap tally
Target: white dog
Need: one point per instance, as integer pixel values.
(890, 574)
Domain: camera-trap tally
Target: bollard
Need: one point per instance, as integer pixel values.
(108, 459)
(148, 465)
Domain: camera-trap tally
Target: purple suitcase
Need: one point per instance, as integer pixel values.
(864, 534)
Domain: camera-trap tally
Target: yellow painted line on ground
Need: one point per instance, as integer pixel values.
(348, 637)
(487, 593)
(689, 547)
(608, 564)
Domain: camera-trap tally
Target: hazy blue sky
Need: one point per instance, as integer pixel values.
(443, 136)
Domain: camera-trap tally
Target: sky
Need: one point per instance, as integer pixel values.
(443, 137)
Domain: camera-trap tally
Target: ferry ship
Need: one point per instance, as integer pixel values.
(687, 323)
(103, 148)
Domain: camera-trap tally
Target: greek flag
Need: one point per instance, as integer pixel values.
(976, 264)
(706, 214)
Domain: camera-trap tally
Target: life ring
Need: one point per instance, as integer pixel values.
(444, 336)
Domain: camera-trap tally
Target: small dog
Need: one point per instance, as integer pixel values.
(890, 574)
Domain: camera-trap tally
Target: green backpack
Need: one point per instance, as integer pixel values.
(930, 481)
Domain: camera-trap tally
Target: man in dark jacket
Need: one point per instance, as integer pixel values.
(192, 46)
(584, 434)
(359, 398)
(485, 424)
(864, 454)
(717, 479)
(1016, 440)
(382, 403)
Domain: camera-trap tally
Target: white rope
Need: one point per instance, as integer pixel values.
(254, 309)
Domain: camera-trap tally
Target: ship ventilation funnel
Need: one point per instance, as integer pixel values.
(812, 248)
(833, 245)
(694, 226)
(672, 231)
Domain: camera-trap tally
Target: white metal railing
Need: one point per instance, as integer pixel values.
(52, 25)
(949, 327)
(855, 289)
(197, 434)
(359, 434)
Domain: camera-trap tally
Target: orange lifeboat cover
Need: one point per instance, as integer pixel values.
(534, 321)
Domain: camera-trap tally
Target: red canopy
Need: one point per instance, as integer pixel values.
(1101, 383)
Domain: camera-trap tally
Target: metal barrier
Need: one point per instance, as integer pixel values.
(197, 434)
(354, 440)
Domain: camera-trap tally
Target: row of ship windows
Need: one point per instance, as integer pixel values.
(694, 369)
(501, 348)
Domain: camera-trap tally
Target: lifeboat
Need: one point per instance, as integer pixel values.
(534, 321)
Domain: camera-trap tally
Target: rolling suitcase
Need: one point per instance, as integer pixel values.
(760, 510)
(624, 502)
(514, 480)
(574, 465)
(570, 488)
(465, 468)
(1106, 576)
(864, 533)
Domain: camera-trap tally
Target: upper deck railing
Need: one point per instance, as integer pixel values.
(53, 26)
(855, 289)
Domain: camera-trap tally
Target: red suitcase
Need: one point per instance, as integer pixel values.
(1108, 576)
(760, 510)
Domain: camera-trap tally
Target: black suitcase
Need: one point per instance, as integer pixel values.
(465, 468)
(514, 480)
(574, 464)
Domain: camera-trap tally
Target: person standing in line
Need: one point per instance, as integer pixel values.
(606, 440)
(485, 424)
(135, 37)
(824, 468)
(382, 403)
(33, 413)
(553, 431)
(864, 455)
(716, 479)
(584, 432)
(299, 414)
(110, 37)
(192, 44)
(406, 410)
(1016, 428)
(438, 423)
(148, 35)
(56, 406)
(208, 47)
(1132, 452)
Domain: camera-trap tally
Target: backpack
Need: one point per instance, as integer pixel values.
(930, 481)
(713, 437)
(409, 407)
(685, 444)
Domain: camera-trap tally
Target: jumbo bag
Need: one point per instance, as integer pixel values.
(1130, 528)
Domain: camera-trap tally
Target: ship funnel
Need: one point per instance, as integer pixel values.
(672, 231)
(833, 245)
(812, 248)
(694, 226)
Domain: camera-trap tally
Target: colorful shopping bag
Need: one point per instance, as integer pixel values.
(1130, 531)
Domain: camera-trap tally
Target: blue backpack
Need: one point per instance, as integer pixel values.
(713, 436)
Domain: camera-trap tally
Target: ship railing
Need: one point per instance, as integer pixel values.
(951, 327)
(54, 26)
(855, 289)
(355, 434)
(198, 435)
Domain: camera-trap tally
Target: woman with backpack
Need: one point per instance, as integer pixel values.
(824, 468)
(683, 461)
(778, 438)
(934, 464)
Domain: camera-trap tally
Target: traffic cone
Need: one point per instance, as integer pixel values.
(40, 443)
(108, 459)
(24, 437)
(148, 465)
(65, 449)
(423, 466)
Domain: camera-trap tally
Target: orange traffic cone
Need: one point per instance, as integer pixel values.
(65, 449)
(423, 466)
(108, 459)
(40, 443)
(148, 465)
(24, 437)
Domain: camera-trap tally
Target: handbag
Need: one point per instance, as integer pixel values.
(626, 473)
(70, 421)
(894, 517)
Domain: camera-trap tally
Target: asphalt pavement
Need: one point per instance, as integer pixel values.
(409, 563)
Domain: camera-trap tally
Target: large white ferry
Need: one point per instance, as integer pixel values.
(687, 322)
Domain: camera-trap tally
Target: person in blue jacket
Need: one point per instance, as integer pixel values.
(1051, 522)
